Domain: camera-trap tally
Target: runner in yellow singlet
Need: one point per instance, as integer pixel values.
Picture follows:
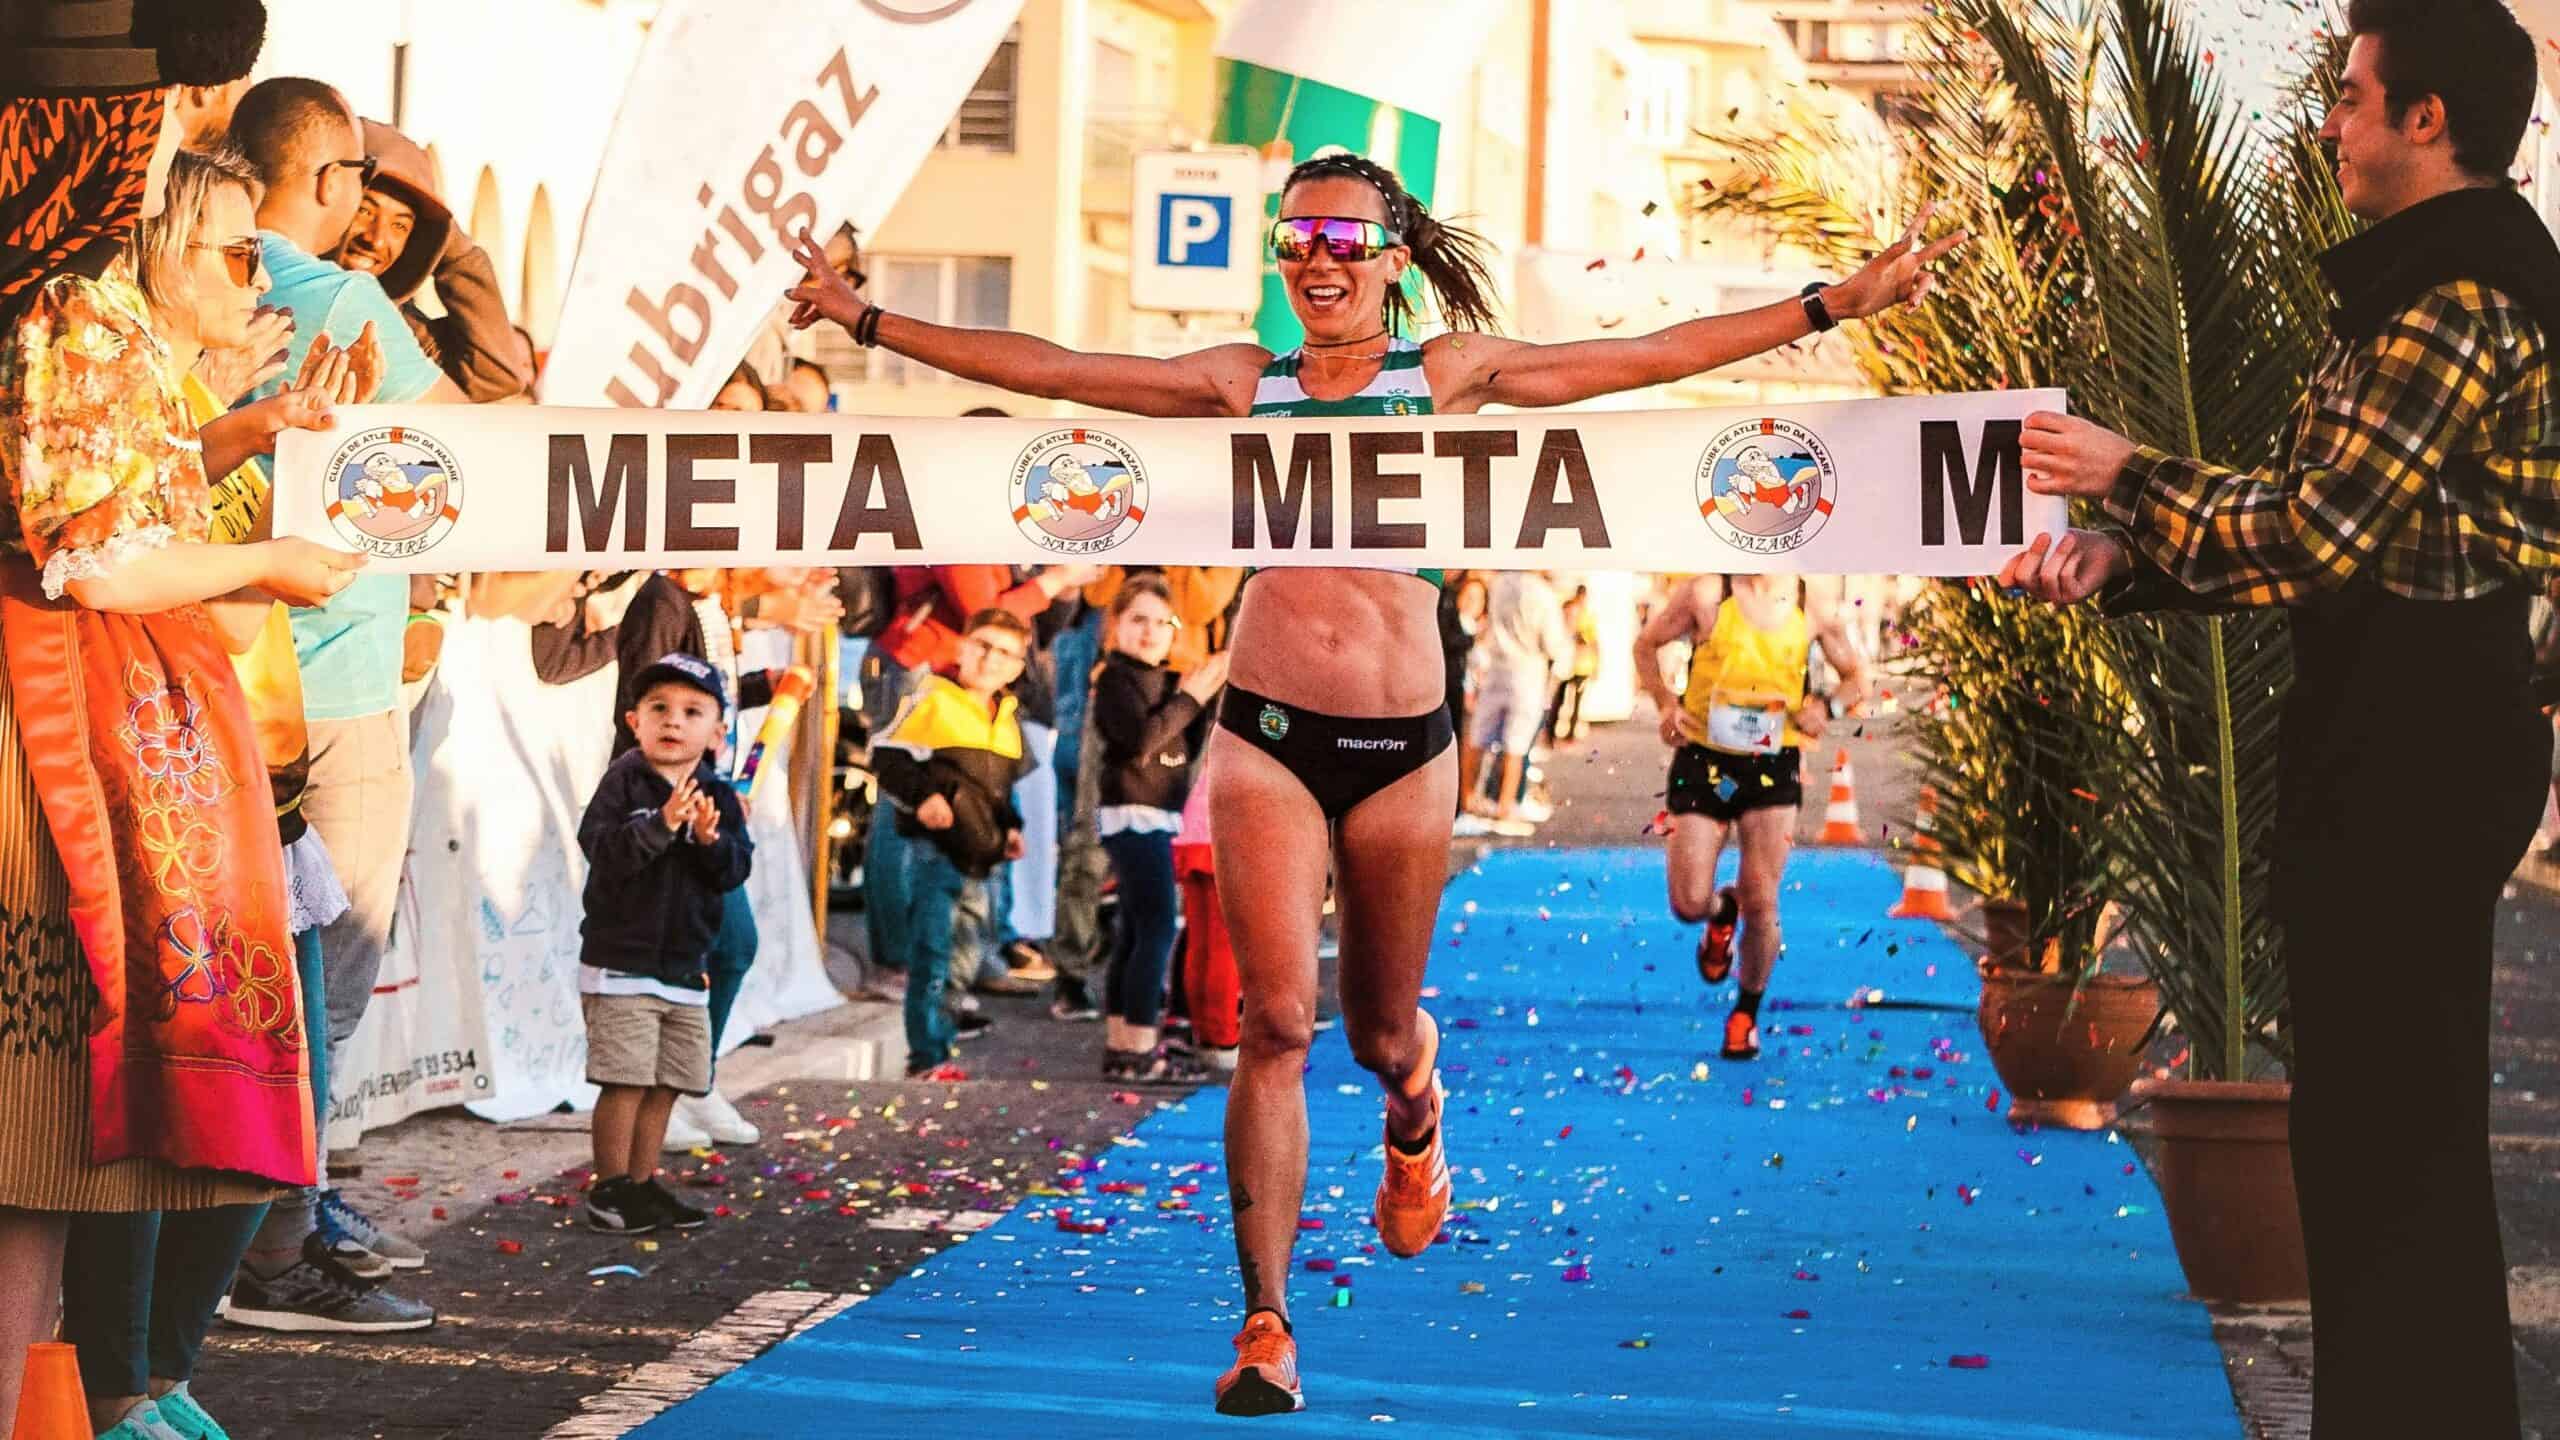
(1738, 732)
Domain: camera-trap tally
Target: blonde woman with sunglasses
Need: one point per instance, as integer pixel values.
(1333, 746)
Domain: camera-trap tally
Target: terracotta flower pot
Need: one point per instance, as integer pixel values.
(2065, 1065)
(2226, 1176)
(2004, 931)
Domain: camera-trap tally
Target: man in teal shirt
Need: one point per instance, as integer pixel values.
(307, 145)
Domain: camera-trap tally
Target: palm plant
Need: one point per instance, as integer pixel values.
(2138, 242)
(2011, 767)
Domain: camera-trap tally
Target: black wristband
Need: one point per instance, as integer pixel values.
(866, 328)
(1815, 310)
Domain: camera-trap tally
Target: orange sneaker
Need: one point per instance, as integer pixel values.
(1413, 1196)
(1264, 1379)
(1741, 1037)
(1715, 948)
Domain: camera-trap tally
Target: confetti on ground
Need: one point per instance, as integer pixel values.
(1598, 1149)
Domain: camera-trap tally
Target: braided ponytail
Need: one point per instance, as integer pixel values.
(1452, 258)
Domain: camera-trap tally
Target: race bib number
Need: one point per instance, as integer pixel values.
(1747, 729)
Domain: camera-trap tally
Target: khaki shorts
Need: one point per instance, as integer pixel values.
(641, 1040)
(1510, 710)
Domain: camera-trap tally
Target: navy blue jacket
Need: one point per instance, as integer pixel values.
(653, 896)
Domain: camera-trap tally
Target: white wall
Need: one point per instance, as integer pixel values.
(525, 90)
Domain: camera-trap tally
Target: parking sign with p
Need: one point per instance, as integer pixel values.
(1196, 232)
(1191, 230)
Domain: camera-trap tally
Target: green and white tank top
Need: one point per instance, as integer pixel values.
(1397, 389)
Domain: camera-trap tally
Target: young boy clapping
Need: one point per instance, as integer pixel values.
(665, 838)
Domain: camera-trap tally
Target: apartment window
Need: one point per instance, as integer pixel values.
(971, 290)
(986, 117)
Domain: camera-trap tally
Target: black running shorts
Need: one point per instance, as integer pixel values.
(1723, 786)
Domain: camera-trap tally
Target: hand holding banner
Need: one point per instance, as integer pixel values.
(1913, 485)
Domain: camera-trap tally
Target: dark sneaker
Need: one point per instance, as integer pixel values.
(1074, 1002)
(971, 1026)
(318, 1294)
(670, 1207)
(1163, 1067)
(361, 1245)
(618, 1207)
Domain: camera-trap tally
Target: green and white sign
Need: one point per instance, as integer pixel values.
(1297, 78)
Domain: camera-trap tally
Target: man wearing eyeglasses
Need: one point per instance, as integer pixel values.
(303, 139)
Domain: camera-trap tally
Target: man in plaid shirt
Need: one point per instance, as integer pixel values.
(2412, 517)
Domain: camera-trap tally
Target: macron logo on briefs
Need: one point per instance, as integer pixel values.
(1191, 230)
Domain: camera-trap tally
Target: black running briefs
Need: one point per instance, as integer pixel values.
(1341, 761)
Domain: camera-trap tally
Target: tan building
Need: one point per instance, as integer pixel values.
(1853, 45)
(1021, 218)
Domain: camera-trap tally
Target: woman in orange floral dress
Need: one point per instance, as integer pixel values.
(151, 1048)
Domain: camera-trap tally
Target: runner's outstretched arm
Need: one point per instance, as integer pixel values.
(1216, 381)
(1493, 370)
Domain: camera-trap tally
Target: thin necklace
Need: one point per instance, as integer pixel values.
(1338, 344)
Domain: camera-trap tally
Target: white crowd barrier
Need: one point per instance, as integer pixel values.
(478, 1000)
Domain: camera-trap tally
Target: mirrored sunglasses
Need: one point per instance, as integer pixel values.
(1348, 239)
(240, 257)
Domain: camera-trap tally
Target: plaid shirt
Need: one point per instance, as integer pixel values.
(2427, 457)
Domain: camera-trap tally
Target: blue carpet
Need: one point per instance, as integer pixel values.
(1658, 1243)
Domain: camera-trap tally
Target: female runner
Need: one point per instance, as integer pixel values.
(1326, 656)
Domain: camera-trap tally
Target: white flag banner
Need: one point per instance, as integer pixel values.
(1336, 43)
(745, 126)
(1912, 485)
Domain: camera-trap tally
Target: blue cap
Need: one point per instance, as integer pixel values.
(678, 668)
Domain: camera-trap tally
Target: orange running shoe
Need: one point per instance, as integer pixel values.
(1715, 948)
(1264, 1379)
(1413, 1196)
(1741, 1037)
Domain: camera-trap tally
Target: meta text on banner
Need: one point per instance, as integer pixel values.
(1921, 485)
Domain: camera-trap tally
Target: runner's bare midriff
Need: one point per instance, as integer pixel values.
(1362, 644)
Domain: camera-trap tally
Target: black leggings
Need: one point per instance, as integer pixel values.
(1341, 761)
(1144, 957)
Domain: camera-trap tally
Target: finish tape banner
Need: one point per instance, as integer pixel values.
(1911, 485)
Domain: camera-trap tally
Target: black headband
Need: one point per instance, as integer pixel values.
(1396, 200)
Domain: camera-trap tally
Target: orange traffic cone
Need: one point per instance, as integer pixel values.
(50, 1403)
(1840, 822)
(1924, 885)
